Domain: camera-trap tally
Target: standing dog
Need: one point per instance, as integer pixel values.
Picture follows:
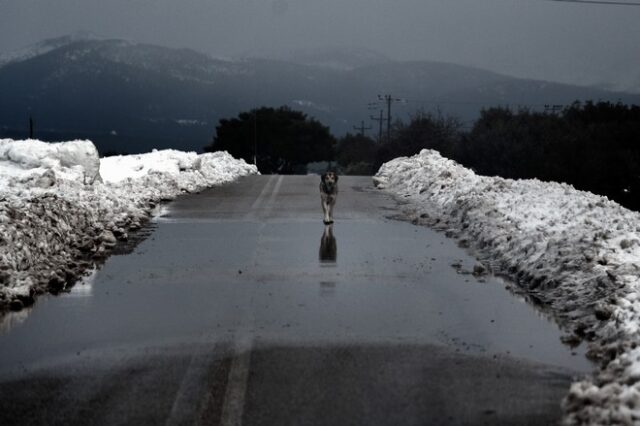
(328, 194)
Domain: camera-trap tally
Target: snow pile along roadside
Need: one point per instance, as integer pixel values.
(62, 208)
(576, 252)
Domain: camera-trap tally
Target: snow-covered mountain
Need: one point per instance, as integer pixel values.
(338, 58)
(44, 47)
(128, 96)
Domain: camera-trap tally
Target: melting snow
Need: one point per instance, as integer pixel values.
(62, 207)
(577, 252)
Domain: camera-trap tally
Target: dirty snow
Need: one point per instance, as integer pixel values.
(575, 252)
(63, 208)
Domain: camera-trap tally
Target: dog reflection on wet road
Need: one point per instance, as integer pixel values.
(328, 246)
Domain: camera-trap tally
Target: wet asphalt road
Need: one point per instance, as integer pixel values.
(242, 308)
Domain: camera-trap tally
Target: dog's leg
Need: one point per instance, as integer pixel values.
(325, 210)
(331, 205)
(327, 214)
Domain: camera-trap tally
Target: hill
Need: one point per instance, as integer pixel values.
(132, 97)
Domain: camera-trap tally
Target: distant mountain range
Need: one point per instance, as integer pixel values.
(132, 97)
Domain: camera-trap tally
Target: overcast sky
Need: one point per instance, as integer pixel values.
(568, 42)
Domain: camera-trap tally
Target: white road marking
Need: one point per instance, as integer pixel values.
(235, 394)
(264, 191)
(193, 392)
(234, 397)
(274, 194)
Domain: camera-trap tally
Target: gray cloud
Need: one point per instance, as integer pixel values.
(279, 7)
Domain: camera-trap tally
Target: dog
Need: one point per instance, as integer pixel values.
(328, 246)
(328, 195)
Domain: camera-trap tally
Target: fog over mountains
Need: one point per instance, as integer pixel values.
(132, 97)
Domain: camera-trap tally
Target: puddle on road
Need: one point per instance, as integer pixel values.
(296, 283)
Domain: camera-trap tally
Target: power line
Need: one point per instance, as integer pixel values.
(380, 121)
(388, 99)
(424, 101)
(553, 109)
(361, 128)
(547, 107)
(611, 3)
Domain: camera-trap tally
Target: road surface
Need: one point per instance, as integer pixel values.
(241, 307)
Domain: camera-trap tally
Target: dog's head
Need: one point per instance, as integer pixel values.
(329, 179)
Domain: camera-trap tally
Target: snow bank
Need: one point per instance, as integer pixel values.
(62, 208)
(20, 160)
(576, 252)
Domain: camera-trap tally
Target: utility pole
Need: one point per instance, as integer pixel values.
(30, 127)
(388, 99)
(361, 128)
(380, 121)
(255, 138)
(552, 108)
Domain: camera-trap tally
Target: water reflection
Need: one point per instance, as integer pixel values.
(327, 288)
(84, 287)
(10, 320)
(328, 246)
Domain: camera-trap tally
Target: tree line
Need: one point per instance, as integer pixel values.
(594, 146)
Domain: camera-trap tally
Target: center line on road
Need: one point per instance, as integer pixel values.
(190, 395)
(258, 201)
(264, 191)
(274, 194)
(235, 395)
